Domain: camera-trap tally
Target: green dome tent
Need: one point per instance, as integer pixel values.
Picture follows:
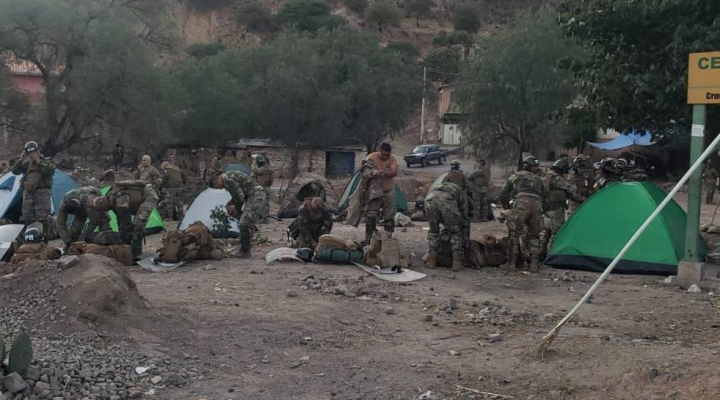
(154, 225)
(401, 204)
(600, 228)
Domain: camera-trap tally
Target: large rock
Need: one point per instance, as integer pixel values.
(14, 383)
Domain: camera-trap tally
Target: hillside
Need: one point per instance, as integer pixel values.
(216, 23)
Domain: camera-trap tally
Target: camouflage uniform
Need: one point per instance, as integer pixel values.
(314, 220)
(478, 183)
(456, 177)
(150, 176)
(583, 179)
(174, 179)
(559, 191)
(525, 217)
(81, 215)
(710, 176)
(264, 176)
(36, 184)
(212, 172)
(248, 193)
(128, 199)
(447, 204)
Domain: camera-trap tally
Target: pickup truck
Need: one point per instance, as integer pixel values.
(425, 153)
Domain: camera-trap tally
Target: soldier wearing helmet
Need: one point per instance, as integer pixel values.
(78, 203)
(559, 192)
(456, 176)
(711, 179)
(581, 175)
(606, 173)
(263, 175)
(526, 188)
(36, 185)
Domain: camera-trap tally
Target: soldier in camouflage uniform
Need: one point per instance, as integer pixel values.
(583, 178)
(605, 174)
(525, 218)
(314, 220)
(263, 175)
(173, 181)
(132, 202)
(711, 179)
(78, 202)
(478, 183)
(212, 172)
(247, 205)
(456, 176)
(148, 174)
(559, 192)
(36, 184)
(447, 204)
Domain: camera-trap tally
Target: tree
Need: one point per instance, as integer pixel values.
(357, 6)
(466, 18)
(636, 74)
(443, 63)
(97, 63)
(205, 5)
(421, 8)
(200, 50)
(406, 50)
(455, 38)
(515, 91)
(16, 113)
(316, 89)
(383, 13)
(308, 15)
(255, 17)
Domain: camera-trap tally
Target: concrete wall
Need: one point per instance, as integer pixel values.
(308, 160)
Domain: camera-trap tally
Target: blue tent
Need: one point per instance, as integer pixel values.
(236, 166)
(11, 193)
(632, 139)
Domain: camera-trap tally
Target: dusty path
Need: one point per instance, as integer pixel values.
(264, 332)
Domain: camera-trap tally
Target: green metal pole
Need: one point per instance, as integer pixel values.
(697, 142)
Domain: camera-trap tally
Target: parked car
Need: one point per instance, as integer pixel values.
(424, 154)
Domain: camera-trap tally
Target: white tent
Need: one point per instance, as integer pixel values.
(201, 208)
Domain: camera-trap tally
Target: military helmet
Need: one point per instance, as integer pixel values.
(580, 160)
(597, 165)
(530, 161)
(455, 165)
(72, 206)
(33, 233)
(561, 166)
(31, 146)
(621, 162)
(260, 160)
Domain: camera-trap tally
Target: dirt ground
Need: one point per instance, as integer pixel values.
(263, 332)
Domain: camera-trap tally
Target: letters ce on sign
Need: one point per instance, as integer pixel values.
(704, 78)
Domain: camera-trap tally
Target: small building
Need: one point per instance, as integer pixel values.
(332, 162)
(450, 117)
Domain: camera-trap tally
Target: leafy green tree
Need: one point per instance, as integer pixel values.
(443, 63)
(97, 63)
(308, 15)
(515, 91)
(405, 49)
(357, 6)
(255, 17)
(466, 18)
(420, 8)
(383, 13)
(200, 50)
(636, 73)
(455, 38)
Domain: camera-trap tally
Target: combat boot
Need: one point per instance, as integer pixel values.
(534, 264)
(432, 260)
(369, 230)
(245, 238)
(457, 264)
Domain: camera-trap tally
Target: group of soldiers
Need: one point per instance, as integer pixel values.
(537, 204)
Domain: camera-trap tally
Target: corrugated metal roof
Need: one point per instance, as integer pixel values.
(18, 67)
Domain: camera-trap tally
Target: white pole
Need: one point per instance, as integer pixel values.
(422, 110)
(550, 336)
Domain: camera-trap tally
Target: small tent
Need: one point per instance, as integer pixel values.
(155, 223)
(236, 166)
(304, 186)
(601, 227)
(200, 209)
(401, 204)
(11, 193)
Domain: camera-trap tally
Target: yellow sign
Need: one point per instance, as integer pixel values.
(704, 78)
